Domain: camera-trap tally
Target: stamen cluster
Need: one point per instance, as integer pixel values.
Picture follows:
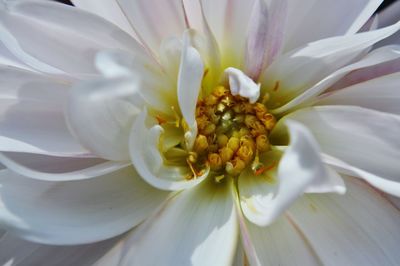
(231, 133)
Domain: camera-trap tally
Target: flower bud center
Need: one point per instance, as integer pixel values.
(231, 133)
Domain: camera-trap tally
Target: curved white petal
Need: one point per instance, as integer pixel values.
(382, 94)
(101, 113)
(31, 115)
(359, 228)
(300, 170)
(379, 62)
(191, 72)
(15, 251)
(241, 84)
(228, 21)
(56, 30)
(8, 59)
(197, 227)
(75, 212)
(296, 71)
(362, 138)
(389, 16)
(38, 167)
(145, 155)
(278, 244)
(108, 9)
(154, 20)
(302, 16)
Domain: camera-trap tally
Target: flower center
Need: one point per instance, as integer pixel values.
(232, 133)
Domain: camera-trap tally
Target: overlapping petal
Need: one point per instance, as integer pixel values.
(362, 138)
(201, 222)
(300, 169)
(360, 227)
(32, 115)
(75, 212)
(21, 22)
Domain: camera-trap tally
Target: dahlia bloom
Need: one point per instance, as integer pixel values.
(198, 133)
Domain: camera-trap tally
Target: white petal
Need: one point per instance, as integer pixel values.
(362, 138)
(108, 9)
(155, 88)
(382, 94)
(58, 169)
(300, 169)
(101, 113)
(359, 228)
(302, 16)
(75, 212)
(278, 244)
(197, 227)
(389, 16)
(154, 20)
(44, 35)
(189, 84)
(146, 157)
(228, 21)
(265, 35)
(15, 251)
(8, 59)
(381, 61)
(241, 84)
(31, 115)
(295, 72)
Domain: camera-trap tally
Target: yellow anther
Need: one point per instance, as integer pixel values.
(211, 100)
(220, 91)
(222, 140)
(200, 144)
(243, 132)
(221, 108)
(247, 141)
(226, 154)
(245, 153)
(269, 121)
(202, 122)
(235, 167)
(258, 129)
(250, 120)
(260, 109)
(233, 143)
(209, 129)
(215, 161)
(262, 143)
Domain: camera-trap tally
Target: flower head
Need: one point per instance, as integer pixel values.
(220, 131)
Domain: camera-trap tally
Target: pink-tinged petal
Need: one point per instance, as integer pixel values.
(365, 140)
(101, 112)
(145, 152)
(58, 169)
(190, 75)
(32, 115)
(265, 36)
(312, 20)
(45, 34)
(371, 72)
(75, 212)
(295, 72)
(154, 20)
(228, 21)
(379, 62)
(15, 251)
(108, 9)
(382, 94)
(300, 169)
(196, 227)
(359, 228)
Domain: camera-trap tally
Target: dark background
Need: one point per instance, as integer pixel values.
(384, 4)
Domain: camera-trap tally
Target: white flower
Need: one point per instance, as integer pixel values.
(221, 131)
